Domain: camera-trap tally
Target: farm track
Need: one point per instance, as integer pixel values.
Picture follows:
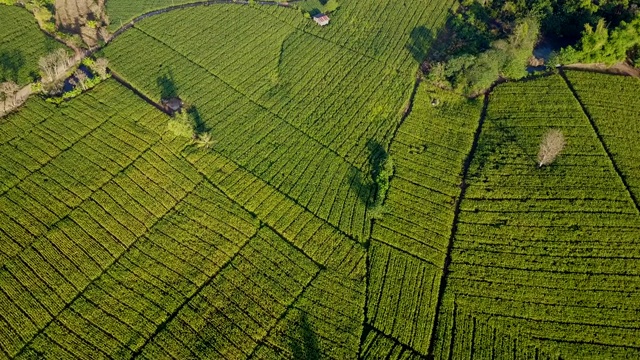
(600, 138)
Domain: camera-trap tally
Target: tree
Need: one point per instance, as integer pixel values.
(181, 125)
(54, 66)
(100, 67)
(81, 78)
(204, 140)
(9, 91)
(552, 144)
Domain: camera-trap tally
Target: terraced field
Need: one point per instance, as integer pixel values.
(120, 240)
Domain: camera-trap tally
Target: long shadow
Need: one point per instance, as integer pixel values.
(419, 43)
(11, 62)
(304, 345)
(167, 85)
(377, 157)
(363, 186)
(194, 115)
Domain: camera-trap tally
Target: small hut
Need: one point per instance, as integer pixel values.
(172, 105)
(321, 19)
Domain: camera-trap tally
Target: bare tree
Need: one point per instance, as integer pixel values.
(55, 65)
(9, 91)
(81, 78)
(552, 144)
(100, 67)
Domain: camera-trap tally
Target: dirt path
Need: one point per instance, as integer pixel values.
(617, 69)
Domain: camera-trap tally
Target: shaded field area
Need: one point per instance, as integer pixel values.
(21, 45)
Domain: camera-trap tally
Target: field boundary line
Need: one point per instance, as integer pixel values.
(252, 101)
(89, 198)
(163, 324)
(275, 189)
(264, 223)
(126, 250)
(456, 214)
(52, 158)
(285, 312)
(601, 139)
(261, 218)
(405, 347)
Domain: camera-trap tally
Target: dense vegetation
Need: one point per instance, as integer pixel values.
(317, 198)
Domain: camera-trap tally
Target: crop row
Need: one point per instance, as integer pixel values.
(266, 145)
(402, 295)
(428, 158)
(232, 313)
(49, 193)
(463, 335)
(78, 248)
(326, 321)
(613, 107)
(234, 59)
(335, 99)
(322, 242)
(381, 30)
(122, 309)
(316, 104)
(377, 346)
(546, 252)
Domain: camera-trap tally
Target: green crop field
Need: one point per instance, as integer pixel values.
(121, 240)
(21, 44)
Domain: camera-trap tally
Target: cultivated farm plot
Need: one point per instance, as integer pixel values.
(299, 122)
(614, 106)
(120, 240)
(21, 45)
(547, 255)
(410, 242)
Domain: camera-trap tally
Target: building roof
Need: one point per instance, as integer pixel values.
(173, 104)
(321, 19)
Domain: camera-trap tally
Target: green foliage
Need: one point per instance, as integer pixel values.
(381, 179)
(313, 7)
(601, 45)
(182, 125)
(470, 74)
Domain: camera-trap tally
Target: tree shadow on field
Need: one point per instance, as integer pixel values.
(419, 43)
(362, 185)
(365, 185)
(198, 123)
(167, 85)
(377, 157)
(11, 62)
(304, 344)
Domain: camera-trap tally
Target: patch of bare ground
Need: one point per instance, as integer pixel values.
(86, 18)
(621, 68)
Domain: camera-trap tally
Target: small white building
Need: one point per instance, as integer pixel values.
(321, 19)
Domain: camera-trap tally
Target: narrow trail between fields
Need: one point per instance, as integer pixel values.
(600, 138)
(456, 213)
